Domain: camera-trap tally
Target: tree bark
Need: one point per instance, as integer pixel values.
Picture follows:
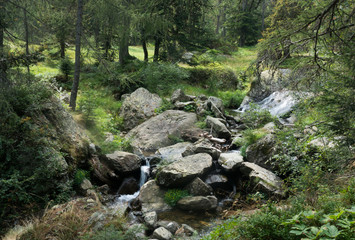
(3, 60)
(145, 50)
(218, 25)
(74, 90)
(62, 48)
(124, 42)
(263, 16)
(26, 39)
(156, 49)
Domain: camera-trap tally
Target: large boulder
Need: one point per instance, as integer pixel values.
(151, 197)
(161, 131)
(181, 172)
(180, 96)
(263, 179)
(123, 162)
(162, 233)
(198, 203)
(198, 188)
(219, 129)
(172, 153)
(103, 173)
(138, 107)
(230, 162)
(261, 151)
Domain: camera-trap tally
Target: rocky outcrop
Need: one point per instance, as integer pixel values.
(138, 107)
(151, 197)
(162, 233)
(102, 173)
(202, 146)
(230, 162)
(181, 172)
(198, 203)
(262, 179)
(198, 188)
(211, 104)
(161, 131)
(172, 153)
(123, 162)
(180, 96)
(261, 151)
(219, 129)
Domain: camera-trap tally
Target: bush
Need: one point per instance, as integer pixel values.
(255, 117)
(65, 67)
(162, 78)
(80, 175)
(250, 137)
(118, 144)
(232, 99)
(172, 196)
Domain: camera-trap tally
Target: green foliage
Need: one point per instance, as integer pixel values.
(79, 176)
(166, 105)
(190, 108)
(118, 144)
(65, 67)
(250, 137)
(172, 196)
(314, 225)
(201, 124)
(87, 104)
(162, 77)
(30, 167)
(255, 117)
(175, 139)
(232, 99)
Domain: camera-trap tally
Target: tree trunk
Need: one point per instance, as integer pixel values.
(263, 16)
(26, 39)
(218, 25)
(145, 50)
(156, 49)
(224, 32)
(3, 60)
(74, 90)
(124, 42)
(62, 48)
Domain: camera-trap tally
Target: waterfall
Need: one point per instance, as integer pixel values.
(125, 199)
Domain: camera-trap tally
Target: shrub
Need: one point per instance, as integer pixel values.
(250, 137)
(166, 105)
(232, 99)
(172, 196)
(65, 67)
(80, 175)
(255, 117)
(118, 144)
(162, 77)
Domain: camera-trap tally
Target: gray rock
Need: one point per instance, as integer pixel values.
(162, 234)
(216, 180)
(217, 102)
(230, 161)
(261, 152)
(123, 162)
(179, 96)
(85, 186)
(172, 153)
(185, 231)
(263, 179)
(103, 173)
(218, 128)
(151, 197)
(161, 130)
(128, 186)
(198, 188)
(322, 142)
(183, 105)
(181, 172)
(269, 128)
(171, 226)
(150, 218)
(138, 107)
(203, 146)
(198, 203)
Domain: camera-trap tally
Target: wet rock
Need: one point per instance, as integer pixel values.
(138, 107)
(262, 151)
(173, 153)
(162, 234)
(104, 189)
(123, 162)
(179, 96)
(198, 203)
(128, 186)
(198, 188)
(185, 231)
(161, 131)
(103, 173)
(218, 128)
(151, 197)
(202, 146)
(181, 172)
(263, 179)
(230, 161)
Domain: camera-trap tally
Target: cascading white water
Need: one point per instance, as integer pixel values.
(123, 200)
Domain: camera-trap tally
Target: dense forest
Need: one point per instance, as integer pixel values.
(118, 115)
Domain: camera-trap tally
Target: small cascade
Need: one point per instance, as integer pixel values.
(123, 200)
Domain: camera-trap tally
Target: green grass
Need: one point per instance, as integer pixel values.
(240, 60)
(137, 51)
